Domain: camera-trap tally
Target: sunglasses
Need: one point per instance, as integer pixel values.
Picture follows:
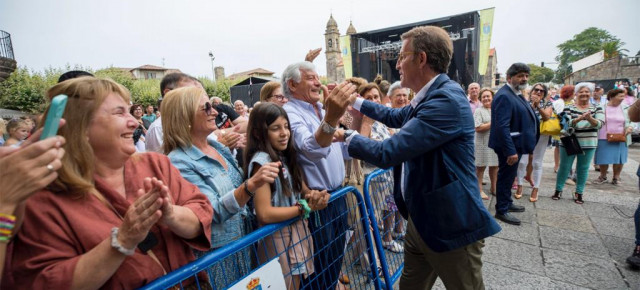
(208, 109)
(536, 90)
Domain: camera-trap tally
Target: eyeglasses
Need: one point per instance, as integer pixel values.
(403, 54)
(279, 97)
(208, 109)
(536, 90)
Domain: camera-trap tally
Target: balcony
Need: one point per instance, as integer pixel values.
(7, 59)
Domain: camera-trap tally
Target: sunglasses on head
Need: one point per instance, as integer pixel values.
(208, 109)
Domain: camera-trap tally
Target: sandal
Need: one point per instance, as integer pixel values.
(615, 181)
(393, 246)
(556, 195)
(534, 195)
(518, 193)
(577, 198)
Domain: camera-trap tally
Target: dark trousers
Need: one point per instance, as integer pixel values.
(328, 229)
(506, 175)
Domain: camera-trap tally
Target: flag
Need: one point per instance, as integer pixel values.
(486, 27)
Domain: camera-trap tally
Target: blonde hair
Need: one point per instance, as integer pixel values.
(14, 124)
(85, 96)
(179, 108)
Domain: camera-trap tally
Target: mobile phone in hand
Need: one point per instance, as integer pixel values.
(56, 109)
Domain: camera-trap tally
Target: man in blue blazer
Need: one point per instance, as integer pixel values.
(514, 131)
(435, 183)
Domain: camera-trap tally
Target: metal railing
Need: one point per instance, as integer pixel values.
(6, 49)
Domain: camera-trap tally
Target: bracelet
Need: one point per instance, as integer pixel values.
(305, 206)
(246, 189)
(7, 223)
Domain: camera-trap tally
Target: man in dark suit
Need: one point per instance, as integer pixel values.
(435, 183)
(514, 131)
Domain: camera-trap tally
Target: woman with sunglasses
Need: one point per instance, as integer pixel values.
(272, 92)
(187, 119)
(543, 108)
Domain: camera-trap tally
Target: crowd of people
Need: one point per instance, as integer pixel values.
(127, 193)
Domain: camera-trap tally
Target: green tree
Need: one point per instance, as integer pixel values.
(219, 88)
(145, 92)
(540, 74)
(118, 75)
(613, 49)
(585, 43)
(23, 91)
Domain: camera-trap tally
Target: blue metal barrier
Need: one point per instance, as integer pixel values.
(253, 240)
(377, 185)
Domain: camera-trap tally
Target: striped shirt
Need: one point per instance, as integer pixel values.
(586, 133)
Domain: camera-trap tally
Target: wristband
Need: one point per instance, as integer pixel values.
(246, 189)
(116, 245)
(305, 207)
(7, 222)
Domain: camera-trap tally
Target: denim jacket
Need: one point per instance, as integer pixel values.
(218, 185)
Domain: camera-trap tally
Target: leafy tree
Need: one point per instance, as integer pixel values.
(23, 91)
(120, 76)
(219, 88)
(613, 49)
(585, 43)
(145, 92)
(540, 74)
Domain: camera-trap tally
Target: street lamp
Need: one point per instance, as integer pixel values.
(212, 68)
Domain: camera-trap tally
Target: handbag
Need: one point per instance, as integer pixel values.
(613, 137)
(571, 144)
(551, 127)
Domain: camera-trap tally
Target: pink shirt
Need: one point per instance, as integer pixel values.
(629, 100)
(474, 105)
(614, 121)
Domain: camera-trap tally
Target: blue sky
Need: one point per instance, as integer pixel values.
(272, 34)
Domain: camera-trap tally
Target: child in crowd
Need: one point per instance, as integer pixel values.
(18, 130)
(269, 140)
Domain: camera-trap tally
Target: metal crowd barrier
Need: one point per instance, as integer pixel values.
(226, 266)
(378, 195)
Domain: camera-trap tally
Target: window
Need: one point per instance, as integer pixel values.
(150, 75)
(330, 43)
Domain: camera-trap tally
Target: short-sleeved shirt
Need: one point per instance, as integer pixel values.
(226, 115)
(277, 197)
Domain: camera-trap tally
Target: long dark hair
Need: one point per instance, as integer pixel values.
(260, 118)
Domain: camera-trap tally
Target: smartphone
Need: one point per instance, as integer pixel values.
(58, 103)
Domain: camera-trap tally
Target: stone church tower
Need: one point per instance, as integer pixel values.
(332, 51)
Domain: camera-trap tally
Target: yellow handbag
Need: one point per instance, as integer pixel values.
(551, 126)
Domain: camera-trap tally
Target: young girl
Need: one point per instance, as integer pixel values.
(269, 140)
(18, 130)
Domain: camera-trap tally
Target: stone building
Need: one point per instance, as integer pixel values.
(612, 69)
(489, 78)
(8, 63)
(333, 52)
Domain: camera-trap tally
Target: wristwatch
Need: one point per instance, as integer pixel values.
(326, 128)
(116, 245)
(348, 133)
(246, 189)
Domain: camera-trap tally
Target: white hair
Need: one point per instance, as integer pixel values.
(394, 87)
(238, 101)
(590, 86)
(292, 72)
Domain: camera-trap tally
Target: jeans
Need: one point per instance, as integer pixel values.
(328, 229)
(582, 168)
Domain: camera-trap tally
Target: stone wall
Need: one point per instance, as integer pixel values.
(7, 66)
(615, 68)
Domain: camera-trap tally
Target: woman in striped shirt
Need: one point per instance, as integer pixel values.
(586, 119)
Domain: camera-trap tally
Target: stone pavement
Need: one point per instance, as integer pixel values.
(563, 245)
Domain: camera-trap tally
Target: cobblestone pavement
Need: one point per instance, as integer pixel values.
(563, 245)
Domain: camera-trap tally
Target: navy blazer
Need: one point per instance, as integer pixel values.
(437, 144)
(514, 126)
